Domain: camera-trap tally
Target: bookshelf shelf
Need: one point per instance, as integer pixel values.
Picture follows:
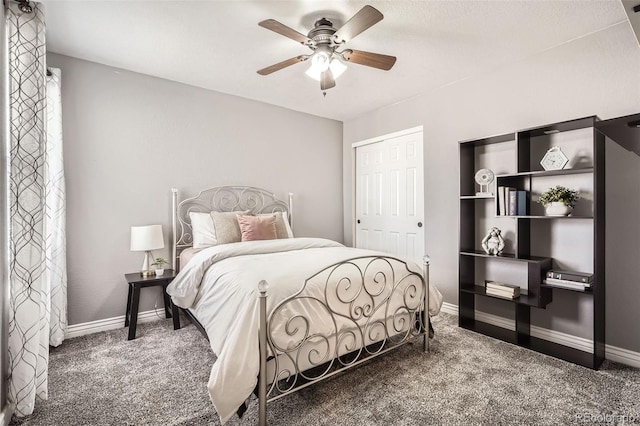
(585, 291)
(546, 217)
(507, 256)
(535, 242)
(476, 197)
(543, 173)
(523, 299)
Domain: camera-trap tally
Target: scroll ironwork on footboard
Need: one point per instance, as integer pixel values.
(342, 316)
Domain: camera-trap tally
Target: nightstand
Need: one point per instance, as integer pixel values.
(136, 281)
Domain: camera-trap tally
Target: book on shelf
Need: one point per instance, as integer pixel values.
(512, 202)
(518, 202)
(581, 277)
(501, 201)
(504, 286)
(507, 200)
(572, 285)
(508, 295)
(522, 203)
(501, 289)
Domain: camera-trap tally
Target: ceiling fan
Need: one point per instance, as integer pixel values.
(327, 62)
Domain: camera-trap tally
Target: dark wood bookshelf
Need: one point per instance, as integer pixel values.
(522, 148)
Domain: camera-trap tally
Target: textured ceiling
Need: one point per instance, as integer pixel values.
(219, 46)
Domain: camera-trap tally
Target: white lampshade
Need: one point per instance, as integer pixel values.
(336, 67)
(145, 238)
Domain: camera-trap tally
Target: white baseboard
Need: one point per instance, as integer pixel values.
(623, 356)
(495, 320)
(449, 308)
(77, 330)
(565, 339)
(613, 353)
(5, 415)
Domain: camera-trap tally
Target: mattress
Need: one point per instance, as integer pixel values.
(187, 254)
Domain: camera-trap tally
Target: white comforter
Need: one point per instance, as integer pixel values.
(220, 284)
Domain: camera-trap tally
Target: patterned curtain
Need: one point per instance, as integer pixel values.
(36, 235)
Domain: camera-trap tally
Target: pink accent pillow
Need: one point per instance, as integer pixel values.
(257, 227)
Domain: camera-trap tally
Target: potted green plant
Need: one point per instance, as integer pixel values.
(159, 265)
(559, 201)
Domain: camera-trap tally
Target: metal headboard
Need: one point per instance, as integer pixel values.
(221, 199)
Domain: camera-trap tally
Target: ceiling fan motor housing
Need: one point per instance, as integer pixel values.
(322, 32)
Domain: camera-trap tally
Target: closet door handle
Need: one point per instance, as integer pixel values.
(419, 224)
(358, 221)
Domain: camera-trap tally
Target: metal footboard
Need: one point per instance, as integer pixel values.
(369, 305)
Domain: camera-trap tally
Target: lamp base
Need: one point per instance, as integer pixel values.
(145, 271)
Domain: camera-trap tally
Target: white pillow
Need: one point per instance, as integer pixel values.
(287, 225)
(204, 234)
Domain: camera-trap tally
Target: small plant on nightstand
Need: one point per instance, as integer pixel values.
(159, 265)
(559, 201)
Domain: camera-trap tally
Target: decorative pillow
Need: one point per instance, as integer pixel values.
(254, 228)
(283, 230)
(285, 217)
(226, 226)
(204, 234)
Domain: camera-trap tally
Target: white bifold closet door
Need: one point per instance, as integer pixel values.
(390, 196)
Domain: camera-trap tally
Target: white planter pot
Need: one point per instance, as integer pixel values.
(159, 272)
(557, 208)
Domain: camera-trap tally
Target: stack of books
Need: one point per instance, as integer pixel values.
(512, 202)
(502, 290)
(571, 280)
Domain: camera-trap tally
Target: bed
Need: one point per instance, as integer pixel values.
(283, 313)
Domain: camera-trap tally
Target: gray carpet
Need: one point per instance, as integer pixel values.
(160, 379)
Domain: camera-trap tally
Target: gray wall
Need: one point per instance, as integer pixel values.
(596, 74)
(129, 138)
(623, 247)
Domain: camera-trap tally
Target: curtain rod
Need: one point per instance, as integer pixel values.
(23, 5)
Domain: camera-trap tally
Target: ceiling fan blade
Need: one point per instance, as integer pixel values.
(275, 26)
(283, 64)
(365, 18)
(326, 80)
(375, 60)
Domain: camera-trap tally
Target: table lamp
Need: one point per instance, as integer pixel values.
(146, 238)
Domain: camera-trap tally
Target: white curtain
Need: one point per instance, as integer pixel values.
(55, 207)
(37, 314)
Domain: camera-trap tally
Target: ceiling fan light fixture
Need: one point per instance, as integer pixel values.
(320, 60)
(327, 63)
(336, 66)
